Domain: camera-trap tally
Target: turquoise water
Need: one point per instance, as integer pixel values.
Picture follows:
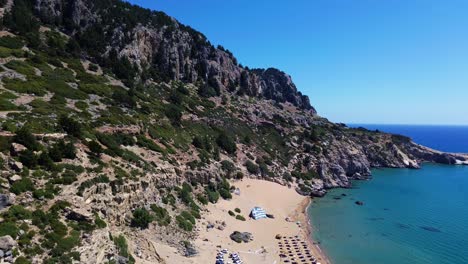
(408, 216)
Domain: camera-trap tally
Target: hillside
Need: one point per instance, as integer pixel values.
(116, 120)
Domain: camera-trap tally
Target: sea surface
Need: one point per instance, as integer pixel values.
(408, 216)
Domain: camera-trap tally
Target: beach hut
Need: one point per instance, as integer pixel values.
(258, 213)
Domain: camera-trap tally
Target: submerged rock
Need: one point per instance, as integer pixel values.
(359, 202)
(431, 229)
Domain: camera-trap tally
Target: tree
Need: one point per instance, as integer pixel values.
(141, 218)
(26, 138)
(95, 147)
(174, 113)
(71, 126)
(124, 98)
(226, 142)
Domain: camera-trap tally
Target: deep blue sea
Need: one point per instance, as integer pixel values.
(408, 216)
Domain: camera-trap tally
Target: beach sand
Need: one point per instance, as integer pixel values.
(276, 199)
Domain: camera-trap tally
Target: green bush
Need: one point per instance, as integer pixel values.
(8, 228)
(95, 147)
(144, 142)
(70, 126)
(141, 218)
(252, 167)
(122, 247)
(99, 222)
(21, 67)
(27, 87)
(240, 217)
(231, 213)
(162, 217)
(22, 260)
(225, 194)
(18, 212)
(237, 210)
(184, 224)
(26, 138)
(227, 143)
(28, 158)
(11, 42)
(213, 196)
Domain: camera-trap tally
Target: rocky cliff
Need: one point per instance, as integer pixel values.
(159, 44)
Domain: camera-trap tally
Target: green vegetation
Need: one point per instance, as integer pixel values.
(122, 247)
(141, 218)
(240, 217)
(161, 215)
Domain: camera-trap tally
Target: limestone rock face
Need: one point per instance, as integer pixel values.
(177, 52)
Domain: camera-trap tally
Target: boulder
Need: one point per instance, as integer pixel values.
(240, 237)
(16, 148)
(359, 203)
(7, 243)
(6, 200)
(16, 166)
(15, 178)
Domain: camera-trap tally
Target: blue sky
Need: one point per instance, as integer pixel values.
(359, 61)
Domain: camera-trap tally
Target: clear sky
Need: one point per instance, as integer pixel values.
(359, 61)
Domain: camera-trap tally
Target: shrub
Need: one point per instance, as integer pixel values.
(202, 199)
(8, 228)
(70, 126)
(18, 212)
(28, 158)
(141, 218)
(252, 167)
(122, 247)
(95, 147)
(225, 193)
(174, 113)
(213, 196)
(162, 217)
(237, 210)
(231, 213)
(11, 42)
(26, 138)
(240, 217)
(99, 222)
(227, 143)
(29, 87)
(21, 67)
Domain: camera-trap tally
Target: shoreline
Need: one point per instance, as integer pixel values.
(308, 230)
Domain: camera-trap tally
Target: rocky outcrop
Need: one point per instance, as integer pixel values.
(171, 50)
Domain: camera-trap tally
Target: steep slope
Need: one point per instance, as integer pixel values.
(115, 119)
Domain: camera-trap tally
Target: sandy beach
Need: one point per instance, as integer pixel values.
(276, 199)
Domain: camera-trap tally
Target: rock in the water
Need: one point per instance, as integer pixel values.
(7, 243)
(240, 237)
(359, 203)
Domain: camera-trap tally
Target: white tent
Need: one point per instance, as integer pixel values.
(258, 213)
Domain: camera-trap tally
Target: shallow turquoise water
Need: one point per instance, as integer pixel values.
(408, 216)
